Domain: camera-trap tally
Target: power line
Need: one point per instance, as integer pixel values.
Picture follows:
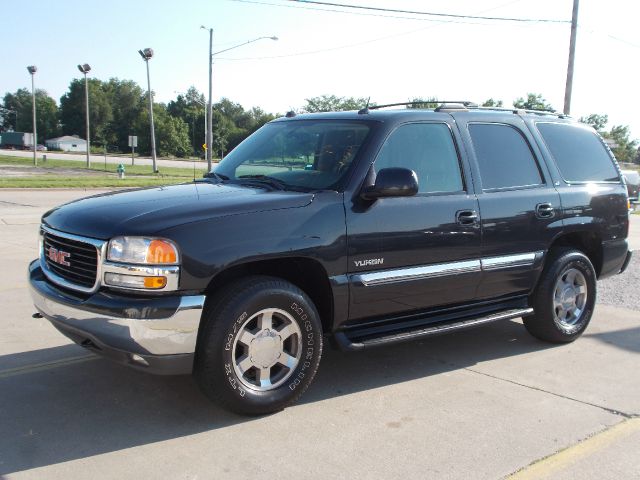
(360, 13)
(342, 47)
(432, 14)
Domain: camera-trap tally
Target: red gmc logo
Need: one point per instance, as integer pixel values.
(58, 256)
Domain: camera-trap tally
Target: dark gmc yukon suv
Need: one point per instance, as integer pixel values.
(365, 228)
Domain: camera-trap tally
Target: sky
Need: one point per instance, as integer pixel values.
(376, 55)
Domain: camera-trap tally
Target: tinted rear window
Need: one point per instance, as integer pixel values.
(579, 153)
(504, 156)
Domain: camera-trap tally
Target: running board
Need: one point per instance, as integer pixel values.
(352, 342)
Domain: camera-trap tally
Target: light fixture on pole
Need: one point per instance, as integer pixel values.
(146, 55)
(210, 104)
(32, 70)
(85, 68)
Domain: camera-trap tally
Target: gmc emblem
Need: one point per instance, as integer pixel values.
(58, 256)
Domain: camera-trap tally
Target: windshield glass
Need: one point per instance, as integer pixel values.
(313, 155)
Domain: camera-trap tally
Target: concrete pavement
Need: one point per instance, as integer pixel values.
(478, 404)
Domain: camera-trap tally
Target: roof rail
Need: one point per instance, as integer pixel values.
(520, 111)
(461, 105)
(440, 103)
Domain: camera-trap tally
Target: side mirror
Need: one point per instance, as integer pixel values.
(392, 182)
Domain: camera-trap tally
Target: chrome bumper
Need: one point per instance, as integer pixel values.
(157, 334)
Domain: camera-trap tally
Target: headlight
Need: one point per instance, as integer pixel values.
(142, 263)
(142, 250)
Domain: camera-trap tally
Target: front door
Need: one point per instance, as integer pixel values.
(413, 253)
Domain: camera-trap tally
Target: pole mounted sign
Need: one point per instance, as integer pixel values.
(133, 143)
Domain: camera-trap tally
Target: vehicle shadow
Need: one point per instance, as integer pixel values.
(82, 409)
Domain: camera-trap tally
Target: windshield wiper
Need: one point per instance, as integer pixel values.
(271, 181)
(218, 176)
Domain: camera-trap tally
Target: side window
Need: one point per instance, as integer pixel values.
(504, 156)
(578, 152)
(428, 150)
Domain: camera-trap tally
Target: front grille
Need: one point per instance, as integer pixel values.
(82, 259)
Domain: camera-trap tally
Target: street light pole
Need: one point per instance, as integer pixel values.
(32, 70)
(572, 54)
(85, 68)
(146, 54)
(210, 104)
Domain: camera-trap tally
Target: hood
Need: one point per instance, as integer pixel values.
(151, 210)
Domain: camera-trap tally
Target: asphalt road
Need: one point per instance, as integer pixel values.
(480, 404)
(98, 159)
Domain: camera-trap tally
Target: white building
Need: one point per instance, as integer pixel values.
(67, 143)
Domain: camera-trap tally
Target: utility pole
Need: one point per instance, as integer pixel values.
(209, 119)
(572, 54)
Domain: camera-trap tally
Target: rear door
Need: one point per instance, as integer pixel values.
(412, 253)
(519, 205)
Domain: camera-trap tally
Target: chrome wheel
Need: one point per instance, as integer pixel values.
(267, 349)
(569, 298)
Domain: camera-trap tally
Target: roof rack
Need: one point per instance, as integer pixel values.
(462, 105)
(465, 103)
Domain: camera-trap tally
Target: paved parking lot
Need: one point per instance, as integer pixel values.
(480, 404)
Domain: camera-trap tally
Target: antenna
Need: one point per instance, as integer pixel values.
(365, 110)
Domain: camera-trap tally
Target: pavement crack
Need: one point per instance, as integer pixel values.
(531, 387)
(16, 204)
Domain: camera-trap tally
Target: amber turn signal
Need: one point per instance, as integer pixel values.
(155, 282)
(160, 251)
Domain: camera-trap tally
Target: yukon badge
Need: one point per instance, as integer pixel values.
(369, 262)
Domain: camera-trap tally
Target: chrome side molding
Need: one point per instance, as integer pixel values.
(444, 269)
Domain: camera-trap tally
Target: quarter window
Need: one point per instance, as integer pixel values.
(578, 152)
(428, 150)
(504, 156)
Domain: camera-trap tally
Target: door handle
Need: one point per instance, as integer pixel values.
(545, 210)
(467, 217)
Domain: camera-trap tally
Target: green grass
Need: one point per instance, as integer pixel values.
(61, 181)
(135, 176)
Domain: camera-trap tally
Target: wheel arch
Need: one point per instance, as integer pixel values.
(305, 273)
(589, 243)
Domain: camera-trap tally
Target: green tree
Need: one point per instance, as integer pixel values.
(127, 100)
(332, 103)
(598, 122)
(492, 103)
(46, 114)
(172, 134)
(419, 102)
(72, 110)
(534, 101)
(624, 148)
(190, 107)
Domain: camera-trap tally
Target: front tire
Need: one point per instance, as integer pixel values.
(260, 346)
(564, 298)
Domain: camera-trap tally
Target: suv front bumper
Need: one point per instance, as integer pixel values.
(155, 334)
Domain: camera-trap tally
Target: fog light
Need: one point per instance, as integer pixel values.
(134, 281)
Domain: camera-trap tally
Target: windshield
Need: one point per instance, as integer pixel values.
(308, 155)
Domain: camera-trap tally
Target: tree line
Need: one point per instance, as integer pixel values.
(119, 108)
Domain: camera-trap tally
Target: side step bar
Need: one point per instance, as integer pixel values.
(347, 344)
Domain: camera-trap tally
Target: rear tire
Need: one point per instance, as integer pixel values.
(260, 346)
(565, 297)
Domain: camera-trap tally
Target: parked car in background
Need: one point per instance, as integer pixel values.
(632, 179)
